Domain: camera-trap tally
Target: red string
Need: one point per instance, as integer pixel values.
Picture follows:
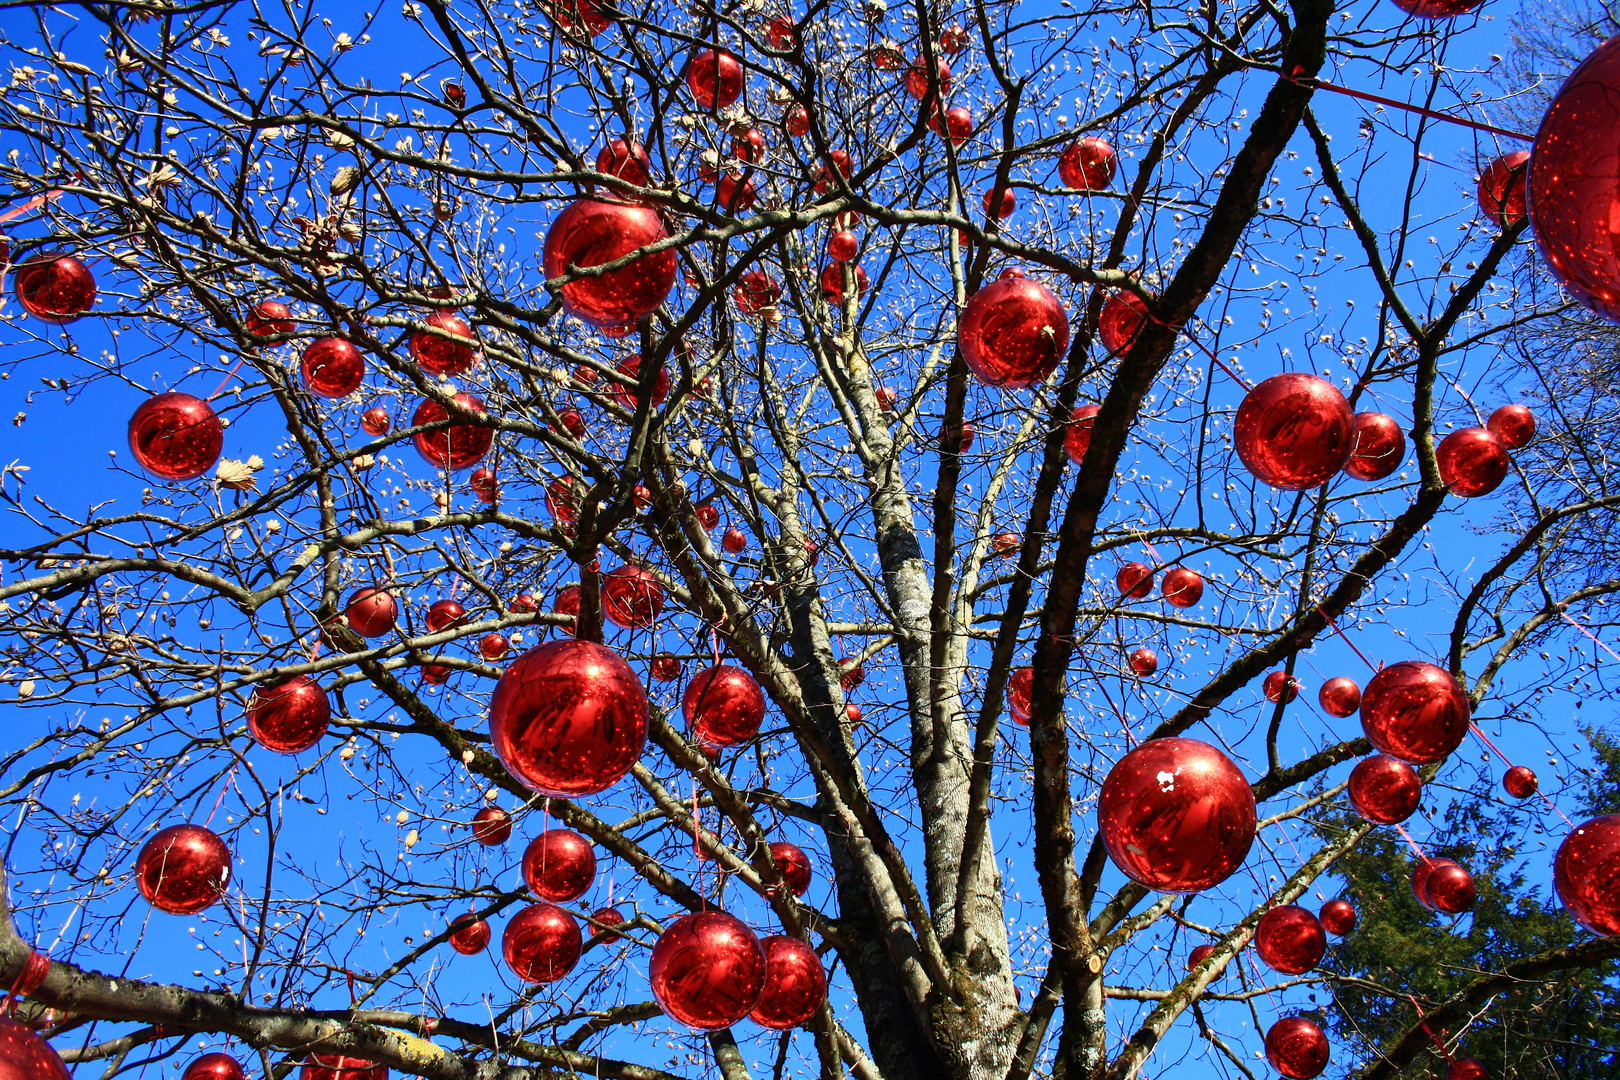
(1347, 641)
(33, 972)
(229, 375)
(1394, 104)
(223, 788)
(32, 204)
(1566, 617)
(1411, 841)
(1425, 1024)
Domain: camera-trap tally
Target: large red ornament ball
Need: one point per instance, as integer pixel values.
(755, 291)
(374, 421)
(1378, 447)
(1020, 691)
(341, 1067)
(1297, 1048)
(559, 865)
(1586, 873)
(1520, 782)
(707, 970)
(371, 612)
(1077, 436)
(607, 917)
(1279, 686)
(457, 447)
(590, 233)
(1449, 888)
(1415, 711)
(723, 706)
(444, 614)
(542, 943)
(469, 934)
(1289, 939)
(1182, 587)
(214, 1067)
(175, 436)
(569, 718)
(493, 647)
(332, 367)
(1515, 425)
(832, 281)
(1467, 1069)
(632, 596)
(1144, 661)
(290, 716)
(1472, 462)
(183, 869)
(1176, 815)
(794, 864)
(1088, 164)
(1385, 790)
(438, 354)
(492, 826)
(1013, 332)
(715, 79)
(1338, 917)
(1123, 316)
(1501, 188)
(269, 318)
(795, 984)
(1134, 580)
(1339, 696)
(55, 288)
(1294, 431)
(625, 392)
(626, 160)
(26, 1056)
(1437, 9)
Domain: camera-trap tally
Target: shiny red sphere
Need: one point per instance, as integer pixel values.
(794, 864)
(841, 165)
(632, 596)
(749, 146)
(484, 484)
(559, 865)
(1013, 332)
(332, 367)
(435, 674)
(1586, 873)
(1077, 436)
(26, 1056)
(371, 612)
(1087, 163)
(290, 716)
(1415, 711)
(715, 79)
(562, 500)
(955, 124)
(1437, 9)
(469, 934)
(607, 917)
(1123, 316)
(843, 246)
(444, 614)
(1420, 878)
(1182, 587)
(1289, 939)
(853, 712)
(795, 984)
(1176, 815)
(917, 80)
(213, 1067)
(183, 869)
(1339, 696)
(458, 446)
(590, 233)
(1297, 1048)
(1144, 661)
(851, 673)
(1378, 446)
(707, 970)
(492, 826)
(1002, 209)
(438, 354)
(493, 647)
(175, 436)
(54, 288)
(707, 515)
(797, 121)
(1199, 954)
(269, 318)
(1338, 917)
(782, 33)
(625, 392)
(1385, 790)
(755, 291)
(664, 667)
(723, 706)
(374, 421)
(1467, 1069)
(567, 603)
(1279, 686)
(965, 443)
(734, 541)
(1514, 425)
(1294, 431)
(341, 1067)
(735, 193)
(1004, 544)
(1449, 888)
(953, 39)
(832, 281)
(1520, 782)
(569, 718)
(626, 160)
(1020, 690)
(542, 943)
(1501, 188)
(523, 604)
(1134, 580)
(1472, 461)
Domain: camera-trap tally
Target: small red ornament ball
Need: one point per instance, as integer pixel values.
(492, 826)
(55, 288)
(469, 934)
(755, 291)
(1520, 782)
(341, 1067)
(625, 392)
(439, 354)
(290, 716)
(749, 146)
(542, 943)
(1144, 661)
(1515, 425)
(372, 612)
(1467, 1069)
(1415, 711)
(1013, 332)
(214, 1067)
(1338, 917)
(567, 603)
(853, 712)
(607, 917)
(1289, 939)
(1134, 580)
(796, 121)
(590, 233)
(794, 864)
(435, 674)
(569, 718)
(1088, 164)
(374, 421)
(175, 436)
(1385, 790)
(841, 164)
(1297, 1048)
(559, 865)
(917, 77)
(269, 318)
(736, 193)
(1004, 544)
(485, 484)
(1472, 462)
(843, 246)
(562, 500)
(851, 673)
(1123, 316)
(632, 596)
(955, 124)
(887, 399)
(832, 281)
(1199, 954)
(707, 515)
(626, 160)
(444, 614)
(1339, 696)
(782, 33)
(1176, 815)
(1378, 447)
(734, 541)
(795, 984)
(1449, 888)
(26, 1056)
(1437, 9)
(707, 970)
(1586, 873)
(332, 367)
(183, 869)
(1501, 188)
(1279, 686)
(1004, 208)
(1020, 690)
(1294, 431)
(459, 446)
(493, 647)
(715, 78)
(664, 667)
(1077, 436)
(523, 604)
(723, 706)
(965, 443)
(1182, 587)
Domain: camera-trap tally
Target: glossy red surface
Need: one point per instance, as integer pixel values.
(1339, 696)
(1437, 9)
(1280, 686)
(1520, 782)
(563, 496)
(175, 436)
(269, 318)
(1450, 888)
(54, 288)
(957, 126)
(493, 647)
(734, 541)
(1198, 955)
(1013, 332)
(1338, 917)
(541, 943)
(1087, 163)
(1514, 425)
(371, 611)
(484, 484)
(1586, 873)
(1472, 462)
(1420, 878)
(1144, 661)
(1004, 545)
(755, 291)
(1182, 587)
(850, 673)
(1134, 580)
(707, 970)
(664, 667)
(723, 706)
(469, 934)
(1004, 209)
(715, 78)
(624, 390)
(492, 826)
(1123, 316)
(1294, 431)
(213, 1067)
(795, 984)
(573, 16)
(1414, 711)
(1077, 437)
(461, 445)
(626, 160)
(590, 233)
(375, 421)
(1467, 1069)
(1020, 687)
(567, 603)
(735, 193)
(796, 121)
(1385, 790)
(832, 281)
(1378, 446)
(340, 1067)
(794, 864)
(183, 869)
(632, 596)
(843, 246)
(26, 1056)
(444, 614)
(290, 716)
(606, 916)
(332, 367)
(559, 865)
(1297, 1048)
(438, 354)
(1501, 188)
(841, 164)
(917, 80)
(1290, 939)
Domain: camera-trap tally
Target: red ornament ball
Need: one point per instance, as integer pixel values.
(851, 673)
(795, 984)
(1199, 954)
(843, 246)
(374, 421)
(632, 596)
(1134, 580)
(590, 233)
(853, 712)
(707, 970)
(1013, 332)
(1294, 431)
(492, 826)
(965, 443)
(1473, 462)
(715, 79)
(341, 1067)
(457, 447)
(1279, 686)
(665, 668)
(797, 121)
(435, 674)
(707, 515)
(841, 165)
(567, 603)
(562, 500)
(1020, 690)
(955, 124)
(1449, 888)
(1182, 587)
(183, 869)
(523, 604)
(755, 291)
(1586, 873)
(1515, 425)
(1144, 661)
(832, 281)
(1077, 436)
(175, 436)
(723, 706)
(1378, 446)
(1415, 711)
(332, 368)
(290, 716)
(1339, 696)
(372, 612)
(1520, 782)
(626, 160)
(484, 484)
(734, 541)
(469, 934)
(1338, 917)
(794, 864)
(445, 614)
(1176, 815)
(607, 917)
(214, 1067)
(1437, 9)
(451, 351)
(269, 318)
(1004, 544)
(1088, 164)
(1297, 1048)
(542, 943)
(1007, 204)
(953, 39)
(749, 146)
(54, 288)
(26, 1056)
(493, 647)
(1123, 316)
(1501, 188)
(735, 193)
(1467, 1069)
(1385, 790)
(625, 392)
(559, 865)
(917, 81)
(1289, 939)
